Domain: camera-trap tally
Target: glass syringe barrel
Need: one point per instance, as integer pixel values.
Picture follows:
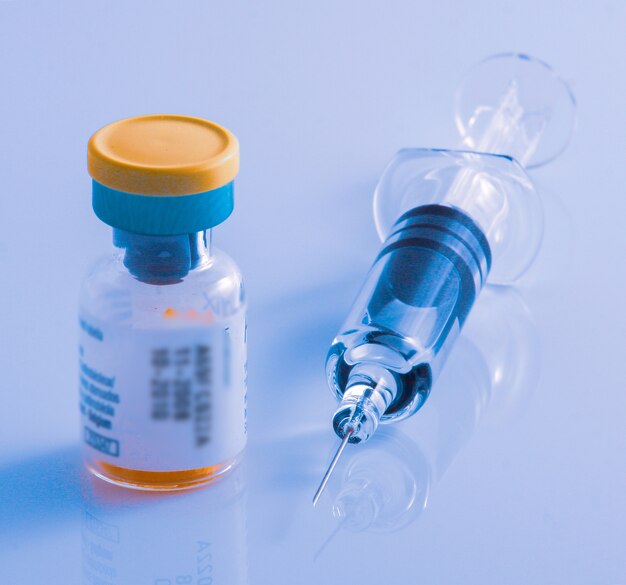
(444, 215)
(415, 299)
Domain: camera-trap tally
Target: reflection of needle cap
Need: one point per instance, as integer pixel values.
(163, 174)
(383, 487)
(357, 507)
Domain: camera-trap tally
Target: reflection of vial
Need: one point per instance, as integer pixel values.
(198, 538)
(162, 319)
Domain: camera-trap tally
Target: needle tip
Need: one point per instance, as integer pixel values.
(317, 495)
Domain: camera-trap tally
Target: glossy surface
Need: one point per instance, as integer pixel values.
(512, 473)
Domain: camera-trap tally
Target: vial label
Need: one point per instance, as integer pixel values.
(163, 399)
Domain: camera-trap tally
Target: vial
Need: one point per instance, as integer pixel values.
(162, 337)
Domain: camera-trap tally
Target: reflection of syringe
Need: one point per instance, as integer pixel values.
(445, 218)
(387, 486)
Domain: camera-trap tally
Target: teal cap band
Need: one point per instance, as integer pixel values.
(162, 215)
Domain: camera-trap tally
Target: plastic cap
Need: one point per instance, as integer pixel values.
(163, 154)
(163, 174)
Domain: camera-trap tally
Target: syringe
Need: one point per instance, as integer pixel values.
(448, 220)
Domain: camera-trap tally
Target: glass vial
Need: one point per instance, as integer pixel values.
(162, 351)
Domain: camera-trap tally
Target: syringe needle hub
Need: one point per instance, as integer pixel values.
(332, 465)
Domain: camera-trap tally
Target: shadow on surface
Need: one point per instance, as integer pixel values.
(288, 341)
(40, 491)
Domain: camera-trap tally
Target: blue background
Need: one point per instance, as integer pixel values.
(510, 474)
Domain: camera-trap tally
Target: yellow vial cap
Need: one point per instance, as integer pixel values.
(163, 154)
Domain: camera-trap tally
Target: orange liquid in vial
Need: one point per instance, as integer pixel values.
(159, 480)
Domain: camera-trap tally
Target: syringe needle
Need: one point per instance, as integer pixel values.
(332, 465)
